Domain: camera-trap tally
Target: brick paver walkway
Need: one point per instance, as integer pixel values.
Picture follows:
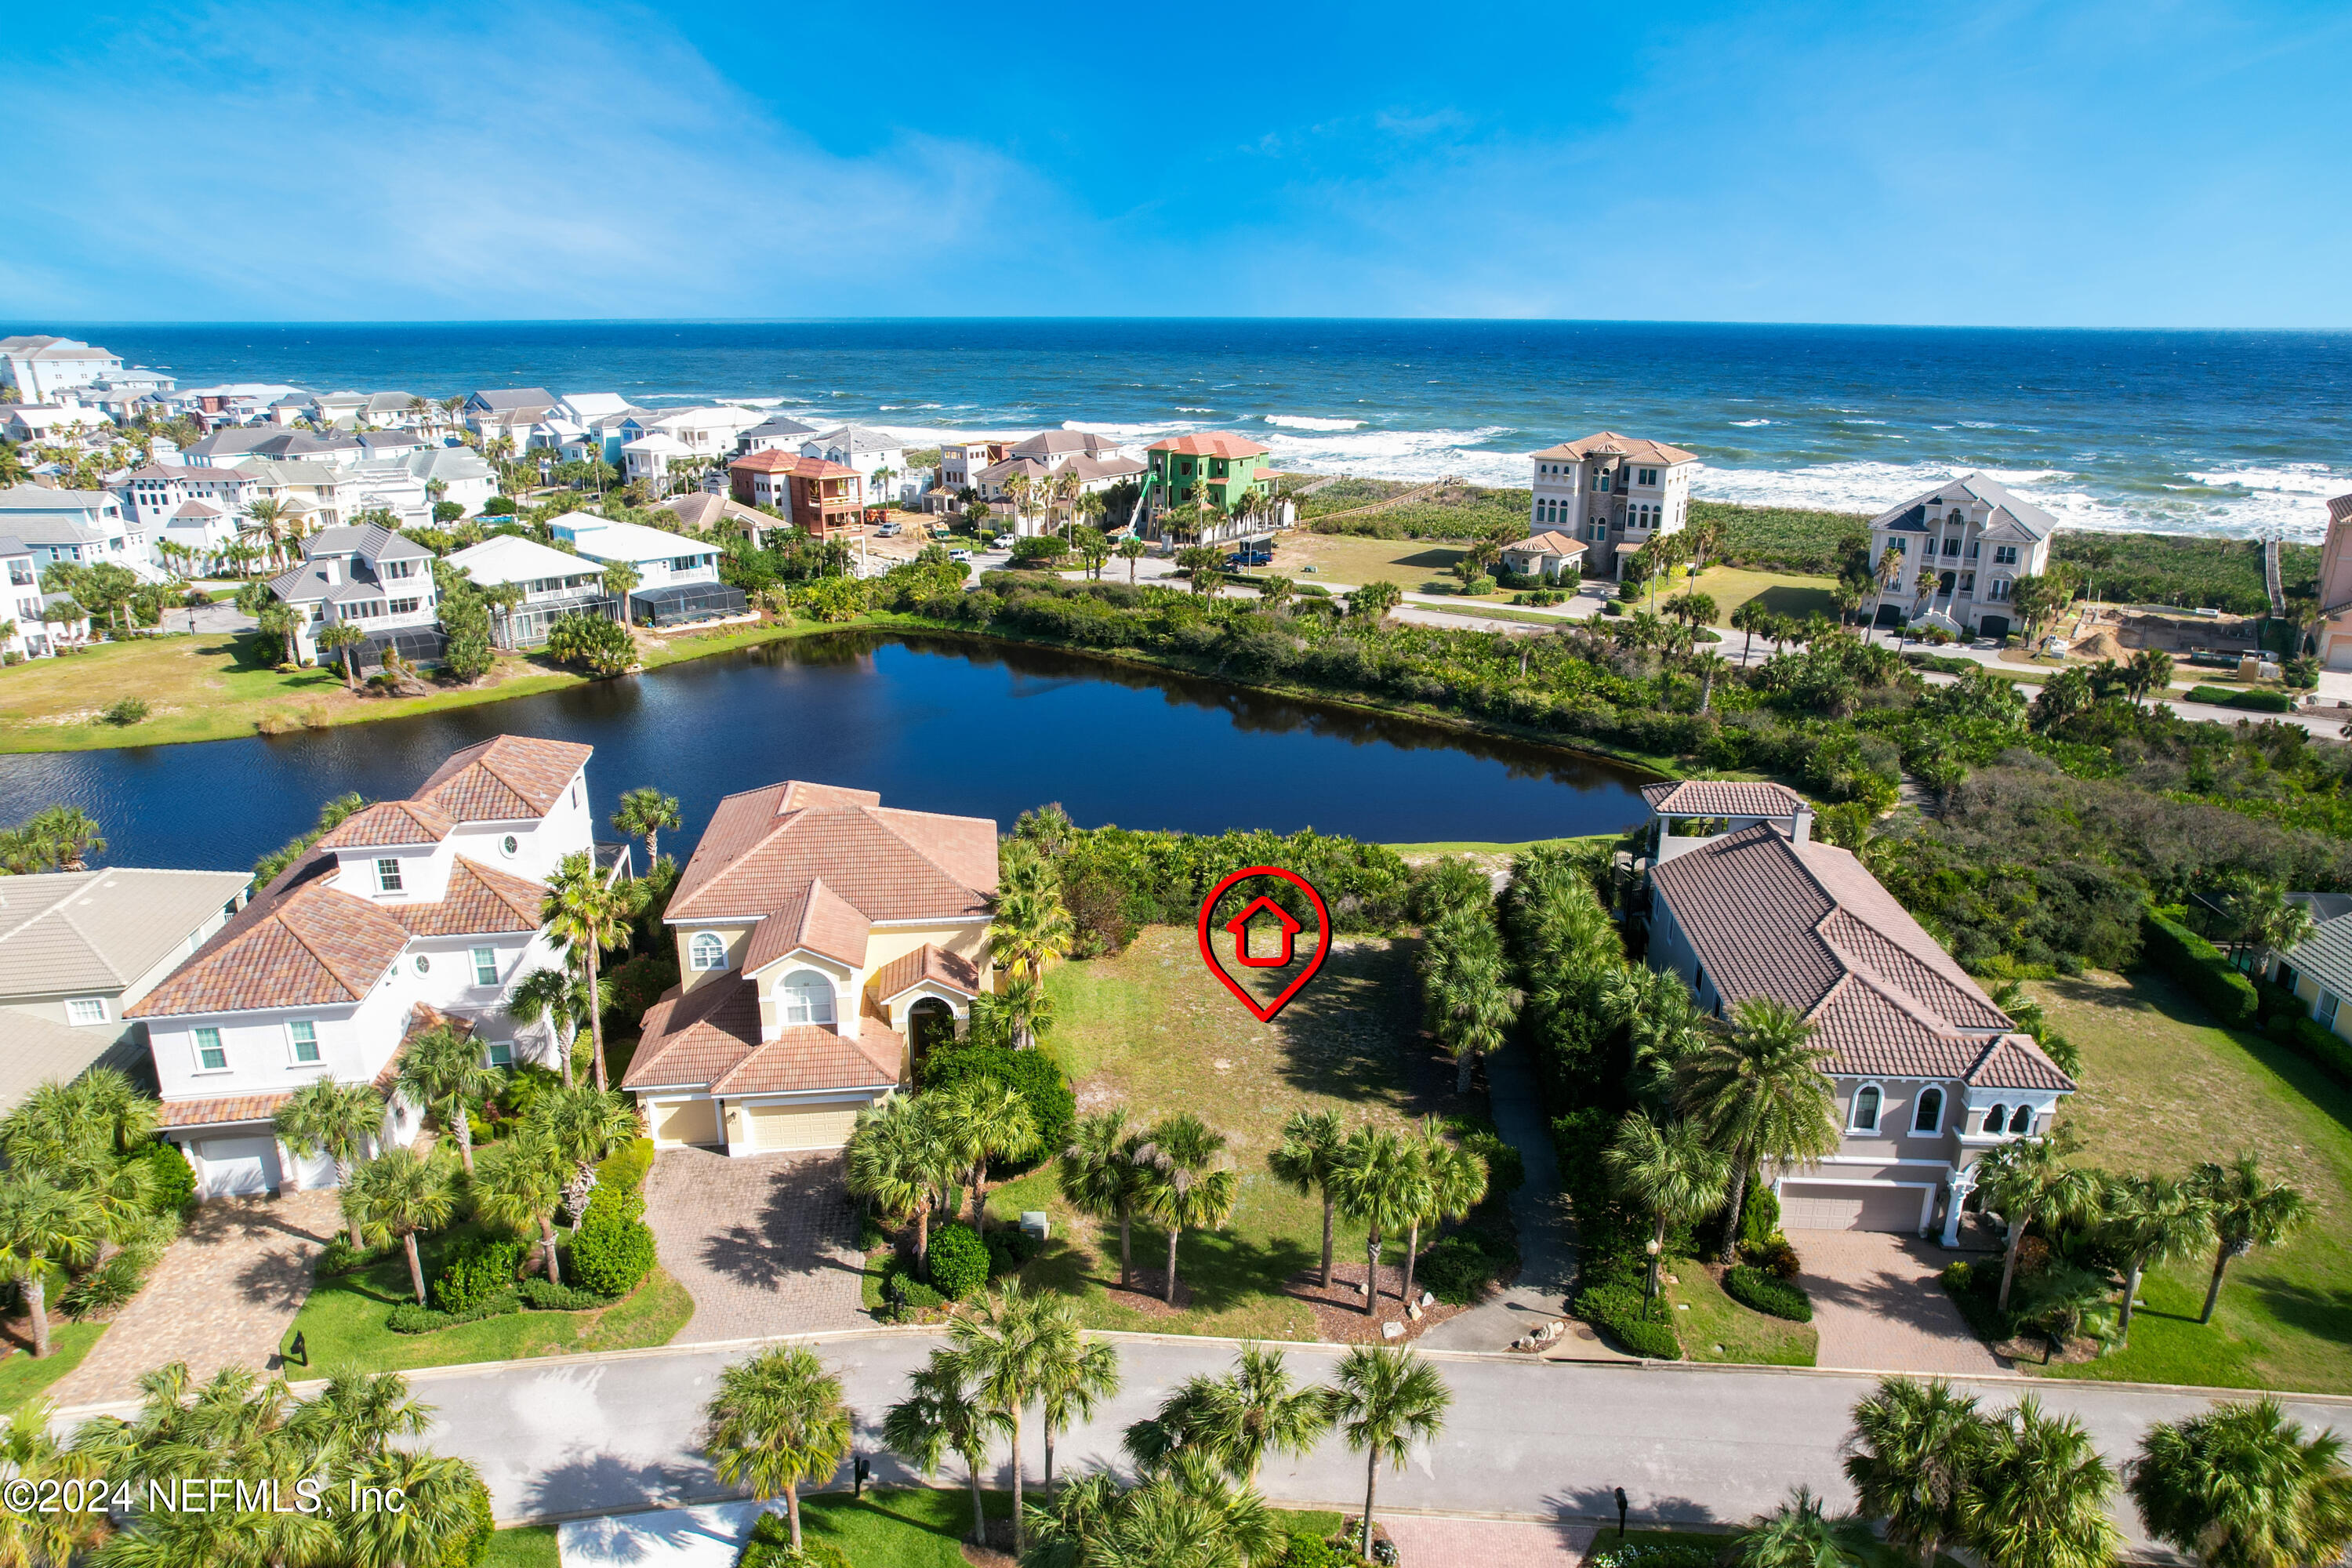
(1878, 1307)
(1426, 1543)
(765, 1245)
(223, 1296)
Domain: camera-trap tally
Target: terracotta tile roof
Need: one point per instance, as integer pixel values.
(1609, 443)
(764, 846)
(2015, 1061)
(388, 823)
(1551, 542)
(814, 917)
(768, 461)
(709, 1037)
(927, 962)
(1210, 443)
(504, 779)
(227, 1109)
(1720, 797)
(480, 901)
(300, 943)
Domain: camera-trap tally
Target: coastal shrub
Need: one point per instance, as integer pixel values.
(1760, 1216)
(1033, 1075)
(639, 983)
(545, 1296)
(408, 1318)
(125, 711)
(499, 506)
(2185, 570)
(172, 1184)
(1008, 1249)
(1459, 1268)
(769, 1545)
(1693, 1552)
(1039, 550)
(1766, 1293)
(596, 645)
(2311, 1038)
(110, 1285)
(625, 1168)
(1782, 538)
(483, 1268)
(2201, 970)
(1644, 1329)
(614, 1249)
(1506, 1169)
(959, 1261)
(338, 1256)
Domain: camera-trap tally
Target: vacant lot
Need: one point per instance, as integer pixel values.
(1783, 593)
(1422, 566)
(2165, 1089)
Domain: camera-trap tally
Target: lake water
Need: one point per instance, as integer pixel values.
(934, 723)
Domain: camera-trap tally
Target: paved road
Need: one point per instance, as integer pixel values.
(1526, 1438)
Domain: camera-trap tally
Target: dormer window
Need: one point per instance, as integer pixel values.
(805, 996)
(707, 951)
(387, 876)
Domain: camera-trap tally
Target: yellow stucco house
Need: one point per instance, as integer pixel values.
(822, 939)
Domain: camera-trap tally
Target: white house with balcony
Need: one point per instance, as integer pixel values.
(366, 576)
(1613, 492)
(1963, 545)
(23, 632)
(677, 577)
(411, 913)
(870, 452)
(84, 527)
(554, 585)
(41, 368)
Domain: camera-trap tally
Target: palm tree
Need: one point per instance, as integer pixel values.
(442, 1509)
(267, 523)
(42, 1225)
(1710, 667)
(2039, 1499)
(643, 814)
(621, 580)
(2240, 1487)
(1382, 1185)
(1759, 1094)
(1131, 550)
(942, 1413)
(1004, 1346)
(1180, 1190)
(518, 1185)
(2249, 1210)
(339, 638)
(445, 1071)
(777, 1421)
(979, 1120)
(1307, 1161)
(1075, 1373)
(1671, 1170)
(341, 1121)
(359, 1414)
(1470, 1004)
(30, 1451)
(557, 998)
(1800, 1534)
(1387, 1400)
(1235, 1420)
(1911, 1457)
(2030, 1179)
(896, 1161)
(587, 914)
(1454, 1182)
(398, 1194)
(1099, 1176)
(2152, 1220)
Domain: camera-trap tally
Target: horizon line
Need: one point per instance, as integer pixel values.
(95, 323)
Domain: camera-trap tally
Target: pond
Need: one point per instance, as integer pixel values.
(935, 724)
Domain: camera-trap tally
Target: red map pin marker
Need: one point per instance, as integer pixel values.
(1239, 926)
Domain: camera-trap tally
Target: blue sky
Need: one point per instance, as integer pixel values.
(2146, 164)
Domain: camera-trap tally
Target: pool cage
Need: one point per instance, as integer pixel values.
(685, 602)
(417, 645)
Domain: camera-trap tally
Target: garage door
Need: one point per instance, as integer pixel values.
(237, 1167)
(2339, 653)
(1821, 1205)
(773, 1127)
(688, 1121)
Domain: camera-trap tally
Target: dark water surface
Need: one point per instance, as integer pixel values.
(935, 724)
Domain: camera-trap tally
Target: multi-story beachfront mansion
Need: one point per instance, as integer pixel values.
(1613, 493)
(1964, 545)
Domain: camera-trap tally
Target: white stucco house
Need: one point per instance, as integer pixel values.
(552, 584)
(1964, 545)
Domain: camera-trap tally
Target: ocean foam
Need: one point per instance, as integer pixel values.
(1751, 423)
(1302, 422)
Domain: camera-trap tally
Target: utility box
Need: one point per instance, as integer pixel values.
(1032, 1223)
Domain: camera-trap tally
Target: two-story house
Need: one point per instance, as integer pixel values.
(153, 493)
(1964, 545)
(22, 633)
(370, 577)
(777, 431)
(410, 912)
(677, 577)
(554, 585)
(454, 476)
(961, 460)
(811, 492)
(878, 458)
(84, 527)
(1613, 492)
(823, 938)
(1928, 1074)
(1231, 470)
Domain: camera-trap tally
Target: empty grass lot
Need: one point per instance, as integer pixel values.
(2163, 1088)
(1153, 1031)
(1783, 593)
(1422, 565)
(1716, 1328)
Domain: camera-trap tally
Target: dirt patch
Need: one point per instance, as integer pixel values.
(1339, 1315)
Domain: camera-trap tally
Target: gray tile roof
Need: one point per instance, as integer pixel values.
(35, 1050)
(1720, 797)
(2011, 517)
(371, 539)
(99, 930)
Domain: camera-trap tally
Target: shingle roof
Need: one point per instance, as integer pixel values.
(505, 400)
(225, 1109)
(505, 779)
(2009, 517)
(710, 1036)
(1210, 443)
(1609, 443)
(929, 963)
(764, 844)
(1062, 443)
(36, 1050)
(388, 823)
(811, 917)
(1721, 797)
(100, 931)
(2339, 510)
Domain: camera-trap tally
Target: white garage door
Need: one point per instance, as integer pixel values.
(686, 1121)
(2339, 653)
(237, 1167)
(1821, 1205)
(779, 1127)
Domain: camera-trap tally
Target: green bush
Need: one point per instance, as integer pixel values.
(338, 1256)
(109, 1285)
(1033, 1075)
(1777, 1297)
(125, 711)
(958, 1260)
(2310, 1037)
(613, 1249)
(1038, 550)
(2257, 700)
(1458, 1269)
(1644, 1329)
(771, 1546)
(2199, 967)
(174, 1185)
(1008, 1249)
(408, 1318)
(544, 1296)
(1506, 1172)
(1760, 1216)
(482, 1269)
(1308, 1552)
(625, 1169)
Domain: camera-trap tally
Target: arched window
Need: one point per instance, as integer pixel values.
(707, 951)
(1996, 1119)
(806, 997)
(1927, 1116)
(2022, 1121)
(1866, 1107)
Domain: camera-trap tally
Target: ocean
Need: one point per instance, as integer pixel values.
(2232, 433)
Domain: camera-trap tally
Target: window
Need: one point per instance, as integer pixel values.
(1996, 1119)
(1601, 483)
(2022, 1120)
(304, 1036)
(1999, 595)
(707, 951)
(2004, 554)
(81, 1010)
(405, 606)
(1600, 532)
(387, 876)
(1951, 547)
(424, 964)
(1967, 582)
(1974, 546)
(2326, 1010)
(1866, 1107)
(210, 1057)
(508, 846)
(485, 966)
(2287, 976)
(399, 568)
(1927, 1116)
(500, 1054)
(806, 997)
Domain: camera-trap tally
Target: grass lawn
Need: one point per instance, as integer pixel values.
(1716, 1328)
(1151, 1029)
(22, 1377)
(1425, 566)
(342, 1322)
(1469, 846)
(2163, 1088)
(1783, 593)
(925, 1526)
(524, 1546)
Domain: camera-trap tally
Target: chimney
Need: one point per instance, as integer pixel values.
(1800, 825)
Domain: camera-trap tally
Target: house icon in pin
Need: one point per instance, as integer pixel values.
(1239, 927)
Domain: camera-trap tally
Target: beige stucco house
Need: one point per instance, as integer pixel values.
(822, 939)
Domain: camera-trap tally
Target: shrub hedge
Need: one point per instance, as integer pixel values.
(1645, 1328)
(1776, 1297)
(542, 1296)
(625, 1167)
(1033, 1075)
(958, 1260)
(477, 1272)
(408, 1318)
(2257, 700)
(2198, 965)
(1459, 1268)
(175, 1183)
(614, 1249)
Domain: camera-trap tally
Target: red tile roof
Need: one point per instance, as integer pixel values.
(927, 962)
(1721, 797)
(388, 823)
(1609, 443)
(813, 917)
(709, 1039)
(766, 461)
(300, 943)
(1551, 542)
(480, 901)
(1210, 443)
(506, 779)
(764, 846)
(227, 1107)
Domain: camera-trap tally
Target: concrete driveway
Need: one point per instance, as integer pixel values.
(765, 1245)
(1878, 1307)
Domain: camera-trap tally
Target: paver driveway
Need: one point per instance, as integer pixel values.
(765, 1245)
(1878, 1307)
(223, 1296)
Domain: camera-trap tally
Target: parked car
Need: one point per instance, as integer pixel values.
(887, 531)
(1250, 558)
(960, 557)
(1002, 541)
